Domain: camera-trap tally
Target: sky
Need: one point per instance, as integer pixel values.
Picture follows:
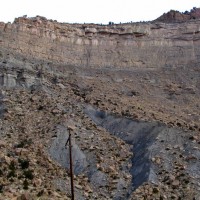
(91, 11)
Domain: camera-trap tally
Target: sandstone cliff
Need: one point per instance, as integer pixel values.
(149, 45)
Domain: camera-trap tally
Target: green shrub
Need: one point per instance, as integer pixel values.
(1, 172)
(24, 164)
(11, 174)
(1, 188)
(12, 165)
(28, 174)
(24, 143)
(25, 185)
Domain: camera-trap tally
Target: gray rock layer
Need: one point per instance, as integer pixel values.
(60, 152)
(150, 140)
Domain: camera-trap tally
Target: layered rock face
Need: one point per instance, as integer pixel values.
(143, 45)
(176, 16)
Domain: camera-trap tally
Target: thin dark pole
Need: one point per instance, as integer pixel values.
(71, 166)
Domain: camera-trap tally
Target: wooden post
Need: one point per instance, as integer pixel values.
(71, 128)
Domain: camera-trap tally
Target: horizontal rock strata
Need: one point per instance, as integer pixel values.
(151, 45)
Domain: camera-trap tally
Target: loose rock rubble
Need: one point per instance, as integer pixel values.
(29, 126)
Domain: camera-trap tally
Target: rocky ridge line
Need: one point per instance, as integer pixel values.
(90, 45)
(176, 16)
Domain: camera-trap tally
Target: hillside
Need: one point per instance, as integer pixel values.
(130, 90)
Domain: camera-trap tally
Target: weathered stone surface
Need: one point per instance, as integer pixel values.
(2, 107)
(176, 16)
(98, 178)
(60, 151)
(14, 79)
(143, 45)
(8, 80)
(150, 146)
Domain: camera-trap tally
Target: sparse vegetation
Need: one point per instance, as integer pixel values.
(111, 23)
(12, 165)
(11, 174)
(28, 174)
(24, 143)
(1, 188)
(23, 163)
(1, 173)
(25, 185)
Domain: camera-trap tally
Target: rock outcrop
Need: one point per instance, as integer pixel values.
(141, 45)
(176, 16)
(60, 151)
(153, 146)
